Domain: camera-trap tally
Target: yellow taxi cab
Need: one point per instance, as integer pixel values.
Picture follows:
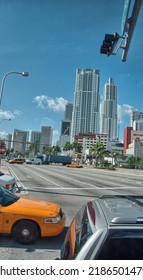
(27, 219)
(74, 165)
(17, 160)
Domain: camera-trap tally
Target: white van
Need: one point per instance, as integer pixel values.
(34, 161)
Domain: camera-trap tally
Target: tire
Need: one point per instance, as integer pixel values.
(25, 232)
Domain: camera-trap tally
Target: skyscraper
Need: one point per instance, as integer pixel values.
(35, 138)
(109, 110)
(86, 105)
(20, 139)
(66, 125)
(136, 119)
(68, 111)
(46, 137)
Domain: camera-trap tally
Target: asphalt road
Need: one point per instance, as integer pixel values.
(70, 188)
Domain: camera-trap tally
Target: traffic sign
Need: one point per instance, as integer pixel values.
(2, 150)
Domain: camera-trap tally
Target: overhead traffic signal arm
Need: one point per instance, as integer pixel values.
(109, 43)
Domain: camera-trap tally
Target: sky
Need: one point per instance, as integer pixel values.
(50, 39)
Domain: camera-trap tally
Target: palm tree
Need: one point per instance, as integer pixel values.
(77, 147)
(46, 150)
(56, 149)
(98, 152)
(67, 146)
(32, 148)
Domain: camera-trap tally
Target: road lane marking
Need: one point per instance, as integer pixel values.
(59, 186)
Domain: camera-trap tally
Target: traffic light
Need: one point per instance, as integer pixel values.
(109, 43)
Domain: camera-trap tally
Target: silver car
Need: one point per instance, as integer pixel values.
(107, 228)
(7, 181)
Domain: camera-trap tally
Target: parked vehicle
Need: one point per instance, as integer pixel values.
(17, 160)
(7, 181)
(57, 159)
(36, 161)
(107, 228)
(27, 219)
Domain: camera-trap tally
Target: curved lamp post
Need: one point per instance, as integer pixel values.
(24, 74)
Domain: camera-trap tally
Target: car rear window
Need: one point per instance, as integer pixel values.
(125, 246)
(122, 249)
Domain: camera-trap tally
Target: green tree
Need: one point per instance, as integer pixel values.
(67, 146)
(2, 142)
(32, 148)
(77, 147)
(56, 149)
(140, 163)
(46, 150)
(98, 153)
(133, 161)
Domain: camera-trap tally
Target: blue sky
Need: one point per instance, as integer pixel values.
(51, 39)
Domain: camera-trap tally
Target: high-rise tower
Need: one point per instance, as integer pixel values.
(86, 105)
(20, 139)
(46, 137)
(66, 125)
(109, 110)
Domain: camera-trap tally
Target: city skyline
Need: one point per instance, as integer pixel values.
(50, 40)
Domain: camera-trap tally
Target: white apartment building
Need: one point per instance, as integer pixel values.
(87, 140)
(86, 107)
(135, 117)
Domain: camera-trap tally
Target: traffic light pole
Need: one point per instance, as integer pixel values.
(110, 41)
(132, 23)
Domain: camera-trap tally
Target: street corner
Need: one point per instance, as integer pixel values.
(4, 169)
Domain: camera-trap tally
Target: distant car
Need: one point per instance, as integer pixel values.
(7, 181)
(36, 161)
(74, 165)
(107, 228)
(16, 160)
(27, 219)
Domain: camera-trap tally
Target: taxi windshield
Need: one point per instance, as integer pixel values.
(7, 197)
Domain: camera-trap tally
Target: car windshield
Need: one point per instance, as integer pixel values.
(7, 197)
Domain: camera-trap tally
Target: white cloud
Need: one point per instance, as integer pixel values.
(124, 111)
(18, 113)
(56, 105)
(6, 115)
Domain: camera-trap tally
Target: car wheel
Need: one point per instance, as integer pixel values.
(25, 232)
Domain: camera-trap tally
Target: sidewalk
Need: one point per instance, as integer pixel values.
(4, 168)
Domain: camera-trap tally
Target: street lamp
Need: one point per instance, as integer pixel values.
(24, 74)
(4, 120)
